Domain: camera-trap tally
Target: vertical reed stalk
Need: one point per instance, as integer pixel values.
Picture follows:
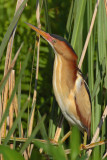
(97, 130)
(36, 77)
(11, 110)
(89, 34)
(0, 121)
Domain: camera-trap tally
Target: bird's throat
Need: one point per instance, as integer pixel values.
(64, 75)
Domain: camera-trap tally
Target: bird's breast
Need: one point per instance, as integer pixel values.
(57, 82)
(64, 95)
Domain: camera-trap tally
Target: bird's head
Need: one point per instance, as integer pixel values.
(59, 44)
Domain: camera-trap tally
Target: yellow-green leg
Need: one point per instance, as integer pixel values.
(85, 138)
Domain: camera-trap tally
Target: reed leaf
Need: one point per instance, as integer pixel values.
(9, 154)
(42, 129)
(11, 27)
(80, 8)
(33, 134)
(57, 152)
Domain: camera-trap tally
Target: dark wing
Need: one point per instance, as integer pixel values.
(83, 101)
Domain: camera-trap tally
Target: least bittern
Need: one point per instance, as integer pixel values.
(70, 88)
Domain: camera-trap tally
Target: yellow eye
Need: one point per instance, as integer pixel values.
(53, 41)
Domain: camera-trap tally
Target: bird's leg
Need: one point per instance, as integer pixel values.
(57, 134)
(85, 138)
(66, 136)
(83, 146)
(58, 130)
(92, 145)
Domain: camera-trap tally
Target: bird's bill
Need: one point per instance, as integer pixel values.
(42, 33)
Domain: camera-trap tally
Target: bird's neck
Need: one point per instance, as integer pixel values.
(64, 73)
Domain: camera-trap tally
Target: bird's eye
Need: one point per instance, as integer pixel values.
(53, 41)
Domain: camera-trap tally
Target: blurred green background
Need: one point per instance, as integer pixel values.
(70, 19)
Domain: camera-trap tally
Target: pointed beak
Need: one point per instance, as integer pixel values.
(45, 35)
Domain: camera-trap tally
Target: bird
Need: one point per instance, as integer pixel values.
(70, 88)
